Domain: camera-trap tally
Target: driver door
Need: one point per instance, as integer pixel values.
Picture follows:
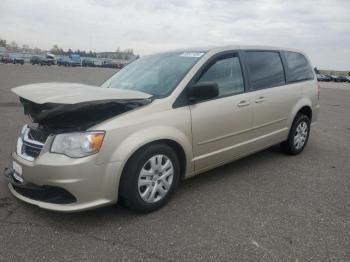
(221, 126)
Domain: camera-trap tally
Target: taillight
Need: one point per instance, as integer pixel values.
(318, 91)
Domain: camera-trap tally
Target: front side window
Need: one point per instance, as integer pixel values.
(299, 68)
(227, 73)
(265, 69)
(157, 75)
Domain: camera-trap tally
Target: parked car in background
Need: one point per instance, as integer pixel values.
(75, 60)
(109, 63)
(15, 59)
(327, 78)
(341, 79)
(66, 61)
(324, 78)
(18, 60)
(63, 61)
(36, 60)
(74, 63)
(47, 61)
(334, 78)
(348, 79)
(50, 59)
(162, 118)
(41, 60)
(98, 63)
(320, 77)
(88, 62)
(120, 65)
(71, 60)
(6, 59)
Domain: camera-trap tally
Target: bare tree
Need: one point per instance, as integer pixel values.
(3, 42)
(13, 46)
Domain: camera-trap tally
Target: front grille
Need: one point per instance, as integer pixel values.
(31, 149)
(31, 142)
(37, 134)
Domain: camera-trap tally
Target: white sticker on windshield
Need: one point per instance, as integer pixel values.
(192, 54)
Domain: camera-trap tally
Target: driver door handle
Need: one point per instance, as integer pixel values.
(243, 103)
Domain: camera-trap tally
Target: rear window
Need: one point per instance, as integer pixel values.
(265, 69)
(298, 67)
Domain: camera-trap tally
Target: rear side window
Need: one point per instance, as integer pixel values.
(265, 69)
(298, 67)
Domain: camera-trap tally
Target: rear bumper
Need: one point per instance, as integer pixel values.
(59, 183)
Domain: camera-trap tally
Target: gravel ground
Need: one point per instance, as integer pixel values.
(266, 207)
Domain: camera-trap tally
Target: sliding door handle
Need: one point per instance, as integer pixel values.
(260, 99)
(243, 103)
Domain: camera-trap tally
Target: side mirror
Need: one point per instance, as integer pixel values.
(203, 91)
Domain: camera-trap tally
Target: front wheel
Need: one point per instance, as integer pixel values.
(150, 178)
(298, 135)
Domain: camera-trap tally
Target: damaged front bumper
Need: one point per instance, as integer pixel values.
(48, 194)
(59, 183)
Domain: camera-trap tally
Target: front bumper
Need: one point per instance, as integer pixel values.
(60, 183)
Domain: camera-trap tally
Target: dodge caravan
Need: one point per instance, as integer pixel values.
(162, 118)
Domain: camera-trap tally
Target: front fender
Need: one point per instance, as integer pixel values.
(138, 139)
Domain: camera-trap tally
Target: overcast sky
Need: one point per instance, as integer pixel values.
(320, 28)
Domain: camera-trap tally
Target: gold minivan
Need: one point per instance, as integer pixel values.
(162, 118)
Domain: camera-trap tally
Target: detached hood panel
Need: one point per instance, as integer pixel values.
(67, 107)
(73, 93)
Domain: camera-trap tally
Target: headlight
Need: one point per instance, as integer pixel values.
(78, 144)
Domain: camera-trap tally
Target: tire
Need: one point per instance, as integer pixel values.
(298, 135)
(139, 182)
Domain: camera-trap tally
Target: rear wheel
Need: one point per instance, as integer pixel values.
(150, 178)
(298, 135)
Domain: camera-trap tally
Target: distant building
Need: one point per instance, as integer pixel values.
(3, 50)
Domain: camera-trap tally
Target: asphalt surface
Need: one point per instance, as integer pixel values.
(266, 207)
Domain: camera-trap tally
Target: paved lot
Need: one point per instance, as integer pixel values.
(266, 207)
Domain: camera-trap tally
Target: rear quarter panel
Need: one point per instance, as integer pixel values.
(309, 97)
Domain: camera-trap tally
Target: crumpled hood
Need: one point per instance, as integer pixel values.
(73, 93)
(71, 106)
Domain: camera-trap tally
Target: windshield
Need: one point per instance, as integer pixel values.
(157, 75)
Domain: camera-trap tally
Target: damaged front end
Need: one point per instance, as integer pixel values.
(63, 117)
(53, 119)
(80, 116)
(64, 108)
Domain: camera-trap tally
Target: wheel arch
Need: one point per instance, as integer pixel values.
(174, 145)
(305, 110)
(303, 106)
(173, 137)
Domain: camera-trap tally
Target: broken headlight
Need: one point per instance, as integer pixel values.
(78, 144)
